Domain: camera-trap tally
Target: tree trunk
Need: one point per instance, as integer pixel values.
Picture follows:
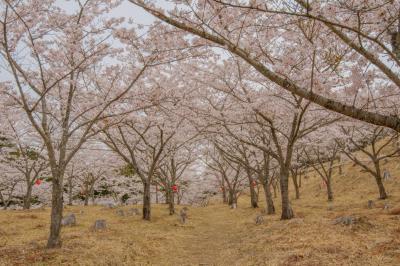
(275, 190)
(224, 196)
(156, 194)
(253, 196)
(86, 203)
(171, 203)
(329, 189)
(287, 212)
(92, 195)
(296, 186)
(54, 240)
(382, 191)
(28, 196)
(146, 201)
(268, 198)
(70, 191)
(166, 197)
(2, 201)
(378, 179)
(232, 198)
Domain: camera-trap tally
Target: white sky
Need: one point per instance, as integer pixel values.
(126, 9)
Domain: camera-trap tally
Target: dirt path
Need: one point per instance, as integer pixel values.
(213, 232)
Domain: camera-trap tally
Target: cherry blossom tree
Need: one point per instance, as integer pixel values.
(371, 143)
(58, 60)
(342, 40)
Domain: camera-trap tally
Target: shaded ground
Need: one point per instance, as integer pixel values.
(216, 235)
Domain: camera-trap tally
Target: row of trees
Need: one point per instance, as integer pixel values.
(240, 91)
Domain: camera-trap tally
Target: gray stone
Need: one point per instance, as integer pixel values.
(346, 220)
(99, 225)
(259, 219)
(69, 220)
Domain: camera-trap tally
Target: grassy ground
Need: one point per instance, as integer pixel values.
(216, 235)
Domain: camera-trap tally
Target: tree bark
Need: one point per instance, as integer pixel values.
(275, 187)
(54, 240)
(70, 191)
(224, 196)
(287, 212)
(28, 197)
(296, 186)
(171, 204)
(253, 195)
(156, 194)
(382, 191)
(329, 189)
(232, 199)
(86, 203)
(146, 201)
(268, 198)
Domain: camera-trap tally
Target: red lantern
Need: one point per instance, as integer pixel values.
(174, 188)
(38, 182)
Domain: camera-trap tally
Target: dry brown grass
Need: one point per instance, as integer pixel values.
(216, 235)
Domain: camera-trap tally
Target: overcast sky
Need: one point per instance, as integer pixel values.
(126, 9)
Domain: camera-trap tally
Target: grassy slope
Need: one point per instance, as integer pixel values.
(216, 235)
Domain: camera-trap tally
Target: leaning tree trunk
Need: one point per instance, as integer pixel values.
(28, 197)
(146, 201)
(268, 198)
(171, 204)
(54, 240)
(287, 212)
(382, 191)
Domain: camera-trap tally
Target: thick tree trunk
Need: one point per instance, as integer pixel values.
(287, 212)
(146, 201)
(268, 198)
(171, 204)
(28, 197)
(232, 198)
(54, 240)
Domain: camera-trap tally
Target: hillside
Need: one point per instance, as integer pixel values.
(217, 235)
